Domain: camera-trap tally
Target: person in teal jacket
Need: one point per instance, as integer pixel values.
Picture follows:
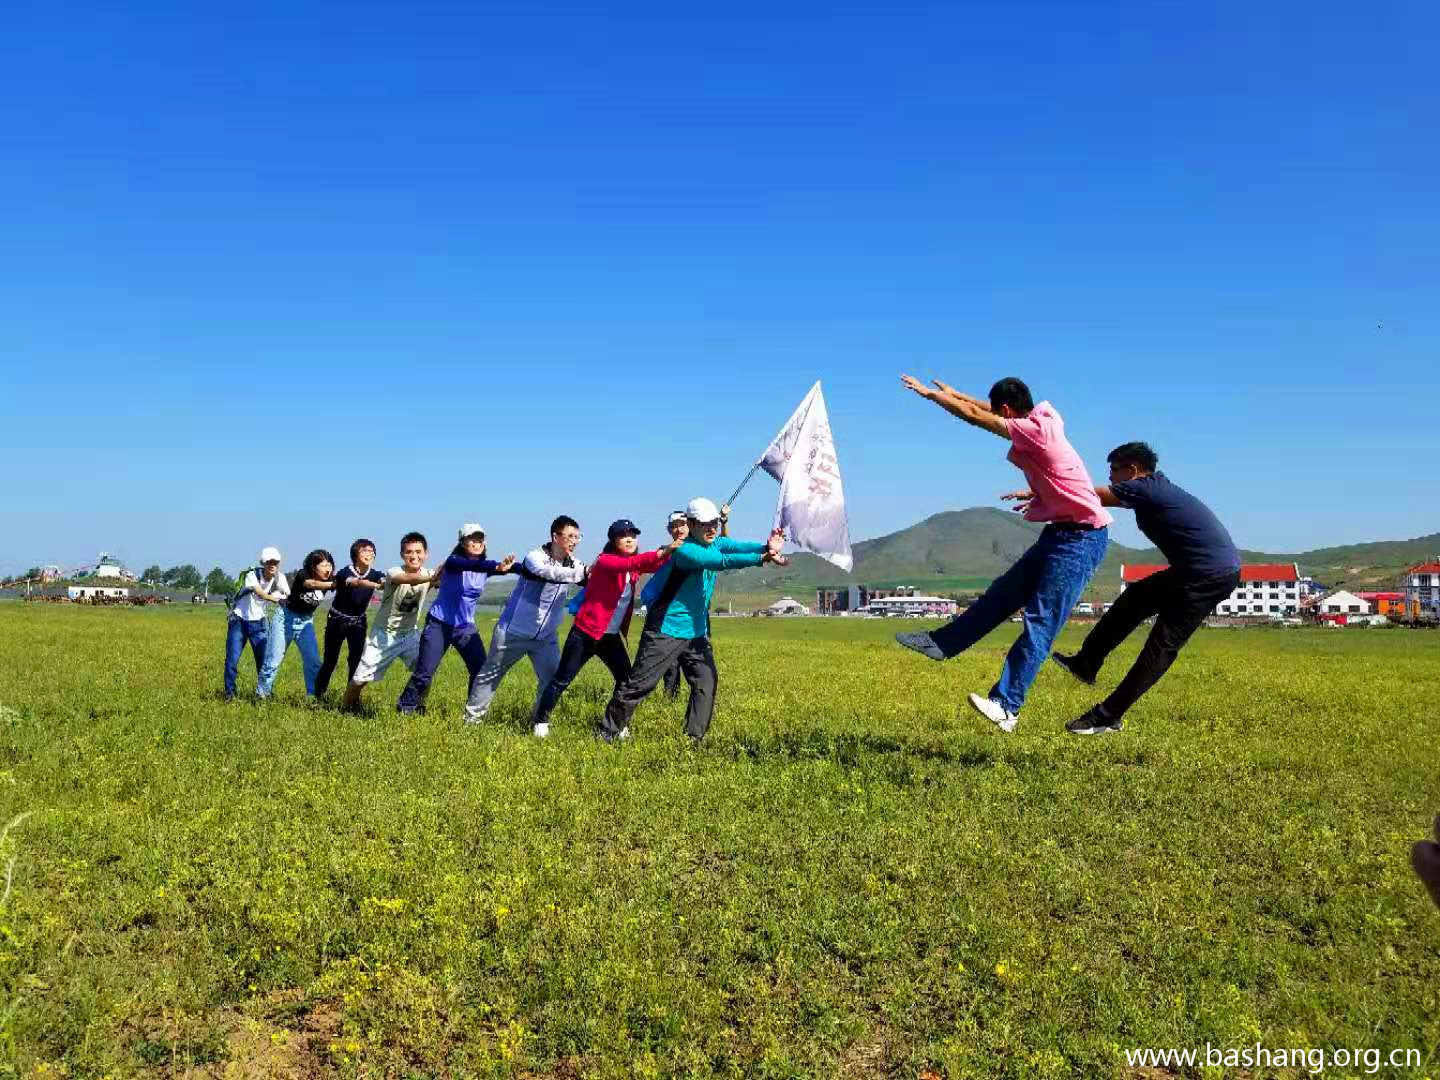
(677, 624)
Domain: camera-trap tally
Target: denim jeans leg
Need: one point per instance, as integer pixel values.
(234, 646)
(1005, 596)
(1071, 558)
(277, 644)
(259, 636)
(309, 650)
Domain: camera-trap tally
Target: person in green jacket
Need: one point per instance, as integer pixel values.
(677, 624)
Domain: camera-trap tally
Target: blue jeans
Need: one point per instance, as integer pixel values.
(1046, 582)
(299, 629)
(437, 637)
(237, 632)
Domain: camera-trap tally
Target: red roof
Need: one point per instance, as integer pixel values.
(1250, 572)
(1381, 595)
(1426, 568)
(1269, 572)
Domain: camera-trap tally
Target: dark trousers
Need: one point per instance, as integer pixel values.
(340, 630)
(671, 681)
(579, 648)
(434, 640)
(656, 653)
(237, 632)
(1179, 605)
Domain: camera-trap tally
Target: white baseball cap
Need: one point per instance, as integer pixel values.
(702, 510)
(675, 517)
(269, 554)
(470, 528)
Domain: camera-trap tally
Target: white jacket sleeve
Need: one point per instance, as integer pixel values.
(539, 564)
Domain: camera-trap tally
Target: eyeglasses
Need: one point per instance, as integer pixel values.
(709, 524)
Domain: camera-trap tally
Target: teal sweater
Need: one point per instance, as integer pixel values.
(689, 613)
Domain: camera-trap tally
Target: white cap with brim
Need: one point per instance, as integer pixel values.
(269, 554)
(676, 516)
(702, 510)
(470, 528)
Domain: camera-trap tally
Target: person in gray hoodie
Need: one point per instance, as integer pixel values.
(532, 615)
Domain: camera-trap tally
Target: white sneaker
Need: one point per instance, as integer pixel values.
(624, 732)
(542, 731)
(993, 711)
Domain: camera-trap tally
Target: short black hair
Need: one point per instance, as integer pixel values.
(1134, 453)
(1011, 391)
(414, 538)
(315, 558)
(358, 544)
(564, 521)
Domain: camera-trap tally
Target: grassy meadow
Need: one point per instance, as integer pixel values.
(851, 877)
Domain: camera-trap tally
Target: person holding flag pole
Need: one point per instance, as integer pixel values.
(677, 624)
(1048, 579)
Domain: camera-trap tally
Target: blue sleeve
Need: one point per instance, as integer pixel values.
(699, 557)
(574, 606)
(651, 592)
(1129, 494)
(740, 547)
(479, 566)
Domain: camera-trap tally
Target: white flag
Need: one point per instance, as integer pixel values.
(812, 500)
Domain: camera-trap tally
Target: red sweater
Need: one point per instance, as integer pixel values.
(609, 574)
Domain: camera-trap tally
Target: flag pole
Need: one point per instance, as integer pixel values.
(731, 501)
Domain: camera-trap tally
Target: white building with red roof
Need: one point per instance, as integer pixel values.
(1422, 589)
(1266, 590)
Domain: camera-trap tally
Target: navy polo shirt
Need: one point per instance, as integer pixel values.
(1180, 525)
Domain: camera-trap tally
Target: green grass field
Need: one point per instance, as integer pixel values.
(850, 878)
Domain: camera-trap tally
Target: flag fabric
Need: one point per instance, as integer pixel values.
(812, 499)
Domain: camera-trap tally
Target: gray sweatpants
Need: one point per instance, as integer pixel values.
(656, 653)
(505, 653)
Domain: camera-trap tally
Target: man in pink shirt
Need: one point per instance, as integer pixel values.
(1048, 579)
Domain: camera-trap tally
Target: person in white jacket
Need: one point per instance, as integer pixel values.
(530, 622)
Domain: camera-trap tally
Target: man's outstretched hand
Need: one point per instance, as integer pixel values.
(912, 383)
(1021, 497)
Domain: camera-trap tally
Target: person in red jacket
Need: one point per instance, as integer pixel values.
(604, 617)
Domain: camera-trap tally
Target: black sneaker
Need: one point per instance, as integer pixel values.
(1068, 663)
(1094, 722)
(921, 643)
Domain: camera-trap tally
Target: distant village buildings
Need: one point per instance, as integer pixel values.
(1271, 590)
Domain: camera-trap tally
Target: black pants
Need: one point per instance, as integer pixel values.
(671, 679)
(656, 653)
(1179, 605)
(340, 630)
(579, 648)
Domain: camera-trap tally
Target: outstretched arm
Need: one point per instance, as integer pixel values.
(552, 570)
(970, 409)
(1107, 497)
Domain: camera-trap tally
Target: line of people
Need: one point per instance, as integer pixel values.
(423, 613)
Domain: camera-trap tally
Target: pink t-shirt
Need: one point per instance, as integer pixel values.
(1058, 478)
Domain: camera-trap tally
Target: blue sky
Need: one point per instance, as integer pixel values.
(288, 273)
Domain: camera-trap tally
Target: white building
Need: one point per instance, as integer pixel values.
(1266, 590)
(110, 567)
(787, 605)
(1344, 603)
(92, 592)
(913, 605)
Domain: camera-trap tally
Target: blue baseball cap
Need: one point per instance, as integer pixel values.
(623, 527)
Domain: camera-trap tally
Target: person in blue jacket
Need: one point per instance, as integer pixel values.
(677, 624)
(451, 621)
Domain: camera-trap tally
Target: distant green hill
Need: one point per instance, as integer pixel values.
(961, 551)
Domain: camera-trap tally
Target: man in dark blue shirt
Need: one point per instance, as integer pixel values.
(1204, 569)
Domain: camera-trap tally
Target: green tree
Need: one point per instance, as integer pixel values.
(152, 575)
(183, 577)
(219, 582)
(33, 572)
